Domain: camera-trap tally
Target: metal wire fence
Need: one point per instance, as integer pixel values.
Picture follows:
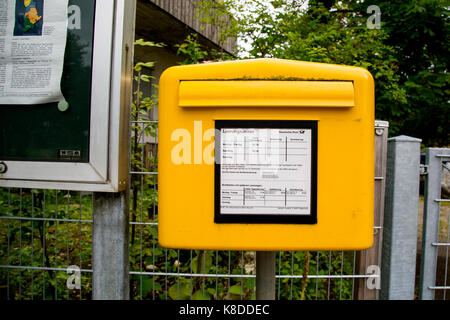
(43, 232)
(442, 282)
(46, 243)
(435, 274)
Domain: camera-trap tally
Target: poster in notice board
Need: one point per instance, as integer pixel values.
(33, 40)
(47, 126)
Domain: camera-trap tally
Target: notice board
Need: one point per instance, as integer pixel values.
(80, 140)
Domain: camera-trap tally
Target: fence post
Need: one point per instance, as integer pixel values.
(110, 256)
(372, 256)
(265, 275)
(398, 264)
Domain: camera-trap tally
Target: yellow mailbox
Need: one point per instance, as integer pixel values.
(266, 154)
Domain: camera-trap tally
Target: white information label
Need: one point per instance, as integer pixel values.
(265, 171)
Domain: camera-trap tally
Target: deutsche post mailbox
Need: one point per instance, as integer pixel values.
(266, 154)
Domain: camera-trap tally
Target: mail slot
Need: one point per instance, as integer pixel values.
(266, 94)
(266, 154)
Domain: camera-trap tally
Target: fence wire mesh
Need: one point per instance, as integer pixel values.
(442, 284)
(435, 276)
(43, 232)
(46, 238)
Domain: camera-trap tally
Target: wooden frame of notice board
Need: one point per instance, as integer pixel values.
(103, 166)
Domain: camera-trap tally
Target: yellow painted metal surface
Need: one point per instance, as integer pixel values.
(193, 97)
(266, 94)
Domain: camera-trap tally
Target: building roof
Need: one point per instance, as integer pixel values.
(171, 21)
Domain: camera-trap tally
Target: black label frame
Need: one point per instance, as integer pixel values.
(265, 218)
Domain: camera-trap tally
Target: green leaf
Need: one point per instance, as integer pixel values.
(250, 283)
(180, 291)
(147, 285)
(236, 289)
(201, 295)
(205, 261)
(141, 42)
(140, 65)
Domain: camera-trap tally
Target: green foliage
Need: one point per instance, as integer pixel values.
(192, 50)
(419, 31)
(408, 56)
(143, 186)
(50, 243)
(320, 264)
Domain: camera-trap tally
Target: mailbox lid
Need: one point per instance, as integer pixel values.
(266, 93)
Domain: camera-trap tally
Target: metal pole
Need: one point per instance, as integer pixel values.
(110, 258)
(398, 263)
(265, 275)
